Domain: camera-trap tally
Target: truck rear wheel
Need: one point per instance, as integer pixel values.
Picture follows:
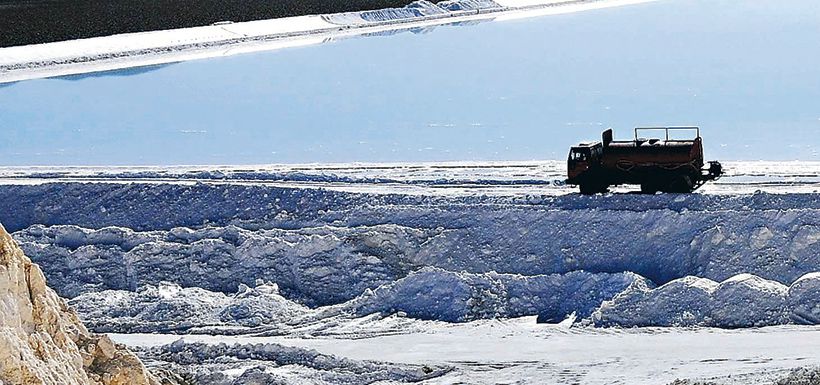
(681, 184)
(592, 188)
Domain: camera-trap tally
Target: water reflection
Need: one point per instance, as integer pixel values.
(123, 72)
(747, 72)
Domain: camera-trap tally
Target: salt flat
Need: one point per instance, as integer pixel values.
(534, 177)
(519, 351)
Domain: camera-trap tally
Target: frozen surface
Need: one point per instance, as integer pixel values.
(240, 364)
(521, 351)
(544, 177)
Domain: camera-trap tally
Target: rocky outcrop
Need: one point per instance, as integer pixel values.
(42, 341)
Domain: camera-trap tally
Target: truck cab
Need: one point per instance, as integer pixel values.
(582, 159)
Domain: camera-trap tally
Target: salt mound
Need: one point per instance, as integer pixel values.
(273, 364)
(744, 300)
(261, 305)
(437, 294)
(162, 308)
(682, 302)
(804, 299)
(167, 307)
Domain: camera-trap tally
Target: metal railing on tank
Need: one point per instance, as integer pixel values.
(667, 129)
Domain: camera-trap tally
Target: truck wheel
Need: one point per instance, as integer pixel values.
(648, 188)
(682, 184)
(590, 188)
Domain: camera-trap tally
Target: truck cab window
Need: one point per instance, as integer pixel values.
(579, 156)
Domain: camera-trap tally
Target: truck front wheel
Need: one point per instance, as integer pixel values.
(648, 188)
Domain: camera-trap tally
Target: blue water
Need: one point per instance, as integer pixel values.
(747, 72)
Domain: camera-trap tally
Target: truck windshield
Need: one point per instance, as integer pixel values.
(578, 156)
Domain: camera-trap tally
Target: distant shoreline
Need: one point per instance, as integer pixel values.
(34, 22)
(151, 48)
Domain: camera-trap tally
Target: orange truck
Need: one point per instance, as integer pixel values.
(664, 164)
